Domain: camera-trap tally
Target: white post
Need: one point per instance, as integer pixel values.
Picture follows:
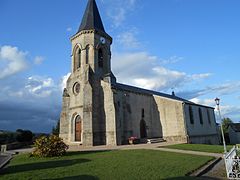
(218, 108)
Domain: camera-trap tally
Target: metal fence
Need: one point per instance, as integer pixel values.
(232, 163)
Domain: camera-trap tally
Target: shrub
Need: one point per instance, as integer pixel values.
(50, 146)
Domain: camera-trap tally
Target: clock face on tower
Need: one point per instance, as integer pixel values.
(76, 88)
(102, 40)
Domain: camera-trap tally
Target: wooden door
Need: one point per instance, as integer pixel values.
(78, 129)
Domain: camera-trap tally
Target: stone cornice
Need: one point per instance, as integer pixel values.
(103, 34)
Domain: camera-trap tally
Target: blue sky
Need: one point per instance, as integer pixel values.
(185, 45)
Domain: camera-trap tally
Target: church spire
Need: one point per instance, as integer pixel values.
(91, 19)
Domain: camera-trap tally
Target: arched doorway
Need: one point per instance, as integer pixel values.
(143, 129)
(78, 129)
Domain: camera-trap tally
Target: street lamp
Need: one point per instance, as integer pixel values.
(217, 100)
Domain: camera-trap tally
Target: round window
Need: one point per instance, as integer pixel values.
(76, 88)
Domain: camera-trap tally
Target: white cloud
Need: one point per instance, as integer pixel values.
(17, 94)
(118, 9)
(206, 102)
(38, 60)
(128, 39)
(230, 111)
(35, 101)
(163, 78)
(171, 60)
(39, 86)
(143, 70)
(200, 76)
(125, 64)
(64, 81)
(132, 2)
(228, 88)
(12, 61)
(118, 17)
(69, 29)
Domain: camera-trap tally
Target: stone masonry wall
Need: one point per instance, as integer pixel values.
(205, 132)
(163, 117)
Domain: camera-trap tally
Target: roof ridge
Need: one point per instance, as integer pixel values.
(152, 92)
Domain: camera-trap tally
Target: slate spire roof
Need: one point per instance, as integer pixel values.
(91, 18)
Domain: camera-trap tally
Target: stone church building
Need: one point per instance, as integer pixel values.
(97, 110)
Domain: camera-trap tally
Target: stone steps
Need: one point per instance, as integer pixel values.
(155, 140)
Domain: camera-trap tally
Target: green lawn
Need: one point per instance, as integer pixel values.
(122, 164)
(200, 147)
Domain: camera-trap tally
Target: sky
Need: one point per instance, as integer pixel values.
(191, 47)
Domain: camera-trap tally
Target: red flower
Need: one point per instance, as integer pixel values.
(132, 138)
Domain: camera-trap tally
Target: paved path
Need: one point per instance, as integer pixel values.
(155, 146)
(24, 150)
(106, 148)
(218, 171)
(4, 158)
(191, 152)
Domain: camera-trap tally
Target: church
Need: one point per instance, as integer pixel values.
(97, 110)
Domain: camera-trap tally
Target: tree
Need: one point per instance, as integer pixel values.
(7, 137)
(55, 130)
(24, 135)
(225, 123)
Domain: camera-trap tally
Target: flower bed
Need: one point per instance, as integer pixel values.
(133, 140)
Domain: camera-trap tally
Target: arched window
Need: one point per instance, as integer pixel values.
(191, 115)
(209, 117)
(142, 113)
(79, 58)
(200, 115)
(87, 54)
(100, 58)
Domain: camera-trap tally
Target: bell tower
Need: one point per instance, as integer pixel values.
(91, 44)
(83, 117)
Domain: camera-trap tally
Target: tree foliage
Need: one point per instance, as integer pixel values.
(49, 146)
(225, 123)
(24, 135)
(55, 130)
(7, 137)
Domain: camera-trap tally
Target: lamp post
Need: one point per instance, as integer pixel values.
(217, 100)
